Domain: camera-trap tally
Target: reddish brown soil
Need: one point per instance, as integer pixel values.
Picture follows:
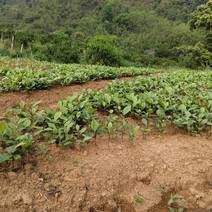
(113, 175)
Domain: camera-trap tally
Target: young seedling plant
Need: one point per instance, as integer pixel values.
(175, 203)
(95, 125)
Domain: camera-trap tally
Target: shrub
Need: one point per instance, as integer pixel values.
(56, 47)
(195, 56)
(147, 60)
(102, 50)
(3, 52)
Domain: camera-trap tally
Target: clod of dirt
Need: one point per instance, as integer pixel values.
(12, 175)
(209, 177)
(27, 199)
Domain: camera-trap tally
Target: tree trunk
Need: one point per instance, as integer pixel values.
(2, 40)
(22, 46)
(12, 42)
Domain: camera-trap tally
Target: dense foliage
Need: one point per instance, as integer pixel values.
(195, 56)
(179, 10)
(147, 32)
(203, 16)
(102, 50)
(19, 76)
(199, 55)
(183, 98)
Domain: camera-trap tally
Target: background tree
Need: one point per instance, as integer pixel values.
(102, 50)
(202, 18)
(62, 29)
(199, 55)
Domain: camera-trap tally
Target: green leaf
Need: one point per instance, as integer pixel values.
(3, 127)
(24, 123)
(83, 130)
(127, 110)
(95, 125)
(57, 115)
(110, 127)
(161, 113)
(5, 157)
(86, 139)
(132, 132)
(68, 126)
(25, 144)
(42, 148)
(12, 149)
(182, 108)
(77, 127)
(144, 121)
(108, 98)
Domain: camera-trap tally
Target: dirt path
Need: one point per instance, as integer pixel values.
(115, 176)
(48, 97)
(51, 96)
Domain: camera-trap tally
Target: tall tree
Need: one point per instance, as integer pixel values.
(202, 18)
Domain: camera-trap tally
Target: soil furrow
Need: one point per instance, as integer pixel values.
(50, 97)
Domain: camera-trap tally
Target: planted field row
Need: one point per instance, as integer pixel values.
(181, 98)
(26, 77)
(24, 63)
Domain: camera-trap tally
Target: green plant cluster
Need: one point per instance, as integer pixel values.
(102, 50)
(71, 123)
(75, 122)
(195, 56)
(202, 17)
(183, 98)
(49, 74)
(18, 132)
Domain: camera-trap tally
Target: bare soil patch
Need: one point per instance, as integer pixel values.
(115, 176)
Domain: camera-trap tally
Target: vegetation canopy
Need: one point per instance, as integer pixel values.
(108, 32)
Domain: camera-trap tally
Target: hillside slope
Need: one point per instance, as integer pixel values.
(131, 32)
(67, 13)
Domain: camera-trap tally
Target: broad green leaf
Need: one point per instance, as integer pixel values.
(24, 123)
(57, 115)
(77, 127)
(161, 113)
(127, 110)
(69, 126)
(94, 125)
(5, 157)
(3, 127)
(182, 108)
(86, 138)
(110, 127)
(25, 144)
